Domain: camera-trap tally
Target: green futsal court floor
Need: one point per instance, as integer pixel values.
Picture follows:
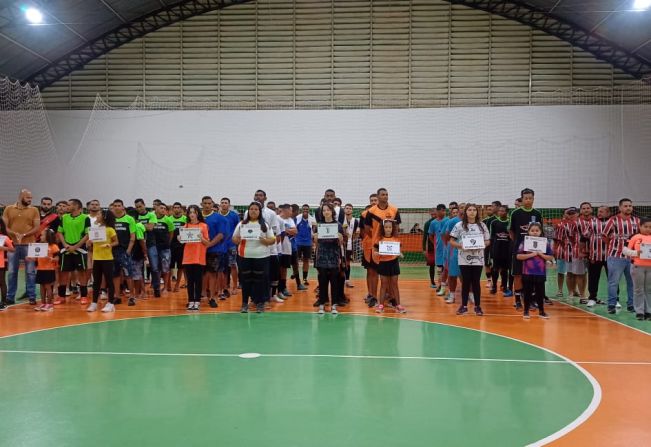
(284, 379)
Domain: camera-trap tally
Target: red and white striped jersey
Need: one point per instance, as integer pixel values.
(592, 229)
(567, 239)
(618, 230)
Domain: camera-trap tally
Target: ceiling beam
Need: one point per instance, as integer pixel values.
(29, 50)
(115, 13)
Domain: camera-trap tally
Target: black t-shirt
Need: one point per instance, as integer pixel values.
(161, 234)
(500, 239)
(520, 220)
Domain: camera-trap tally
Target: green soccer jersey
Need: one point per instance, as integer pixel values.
(74, 228)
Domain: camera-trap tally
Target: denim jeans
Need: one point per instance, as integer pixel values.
(154, 261)
(616, 268)
(13, 262)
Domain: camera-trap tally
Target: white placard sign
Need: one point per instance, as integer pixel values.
(328, 231)
(37, 250)
(472, 242)
(97, 234)
(538, 244)
(2, 240)
(389, 248)
(189, 235)
(250, 232)
(645, 251)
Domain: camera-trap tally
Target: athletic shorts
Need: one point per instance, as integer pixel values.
(561, 266)
(389, 268)
(304, 252)
(274, 268)
(76, 261)
(488, 260)
(453, 262)
(232, 256)
(516, 266)
(576, 267)
(294, 257)
(501, 264)
(286, 261)
(217, 263)
(137, 269)
(122, 263)
(45, 277)
(176, 261)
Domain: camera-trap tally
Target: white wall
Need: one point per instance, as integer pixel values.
(423, 156)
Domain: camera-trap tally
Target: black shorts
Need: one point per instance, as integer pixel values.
(286, 261)
(501, 264)
(516, 266)
(294, 258)
(488, 260)
(389, 268)
(76, 261)
(176, 260)
(45, 277)
(217, 263)
(274, 268)
(304, 252)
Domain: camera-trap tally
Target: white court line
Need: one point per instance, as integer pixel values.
(605, 318)
(334, 356)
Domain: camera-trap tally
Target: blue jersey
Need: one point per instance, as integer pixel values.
(218, 224)
(232, 219)
(304, 231)
(438, 227)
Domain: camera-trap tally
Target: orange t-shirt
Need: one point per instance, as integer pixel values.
(376, 216)
(195, 252)
(377, 258)
(48, 263)
(367, 241)
(8, 243)
(634, 244)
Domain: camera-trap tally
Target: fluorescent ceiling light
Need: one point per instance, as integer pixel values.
(33, 15)
(641, 5)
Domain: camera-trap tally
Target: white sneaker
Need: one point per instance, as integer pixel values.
(471, 298)
(196, 305)
(103, 296)
(441, 292)
(321, 309)
(280, 295)
(334, 309)
(450, 298)
(92, 307)
(277, 299)
(618, 306)
(109, 308)
(591, 303)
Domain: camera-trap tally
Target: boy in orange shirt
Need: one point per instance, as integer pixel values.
(639, 249)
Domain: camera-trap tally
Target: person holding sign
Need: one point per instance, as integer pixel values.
(194, 255)
(104, 239)
(534, 270)
(45, 268)
(470, 237)
(254, 239)
(328, 259)
(6, 245)
(73, 234)
(639, 249)
(385, 254)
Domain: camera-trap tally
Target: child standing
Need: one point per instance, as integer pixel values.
(103, 261)
(641, 270)
(194, 257)
(534, 272)
(388, 268)
(5, 245)
(45, 271)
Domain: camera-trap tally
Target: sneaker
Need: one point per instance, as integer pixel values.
(280, 295)
(287, 293)
(647, 316)
(526, 315)
(393, 303)
(401, 309)
(618, 306)
(462, 310)
(103, 296)
(212, 303)
(372, 302)
(3, 306)
(132, 301)
(507, 293)
(517, 305)
(583, 301)
(321, 310)
(277, 299)
(244, 309)
(306, 282)
(39, 308)
(334, 309)
(493, 290)
(48, 308)
(441, 292)
(600, 302)
(450, 299)
(379, 308)
(630, 308)
(559, 295)
(639, 317)
(259, 308)
(544, 315)
(190, 306)
(591, 303)
(196, 305)
(108, 307)
(92, 307)
(301, 287)
(349, 285)
(612, 310)
(227, 293)
(83, 301)
(471, 298)
(222, 297)
(478, 311)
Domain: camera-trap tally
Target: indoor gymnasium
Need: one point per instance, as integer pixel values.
(357, 223)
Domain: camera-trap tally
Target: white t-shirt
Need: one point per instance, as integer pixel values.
(349, 232)
(286, 244)
(253, 248)
(470, 257)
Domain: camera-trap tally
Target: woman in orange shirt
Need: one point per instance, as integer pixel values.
(194, 257)
(388, 267)
(45, 268)
(5, 245)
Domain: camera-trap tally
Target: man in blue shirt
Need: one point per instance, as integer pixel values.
(304, 225)
(232, 219)
(216, 255)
